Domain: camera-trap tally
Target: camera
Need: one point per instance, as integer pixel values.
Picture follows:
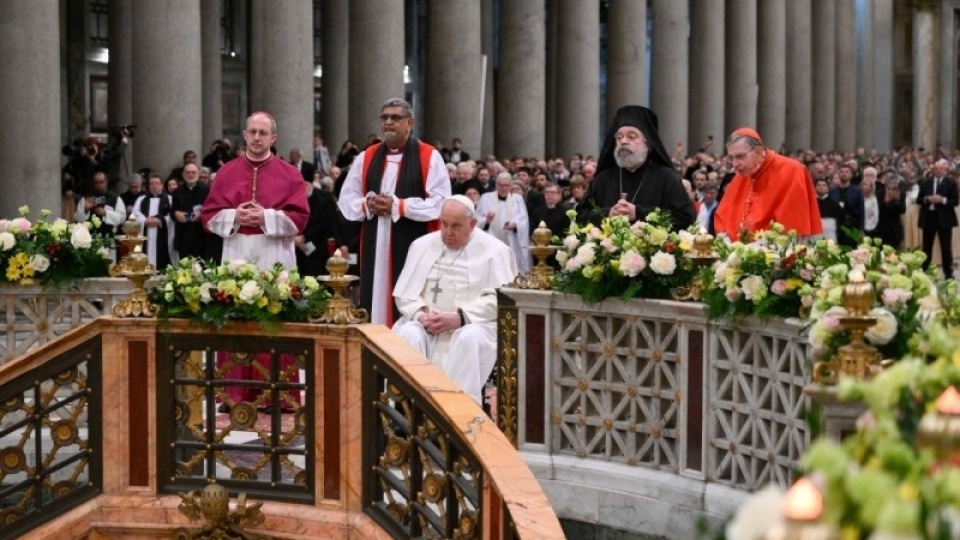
(123, 130)
(99, 201)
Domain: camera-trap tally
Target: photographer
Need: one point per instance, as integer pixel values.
(107, 206)
(77, 175)
(220, 153)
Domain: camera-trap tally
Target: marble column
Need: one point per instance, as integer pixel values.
(883, 75)
(30, 147)
(866, 76)
(453, 104)
(946, 36)
(119, 71)
(772, 72)
(166, 50)
(626, 56)
(282, 78)
(707, 66)
(486, 48)
(75, 71)
(521, 79)
(550, 72)
(799, 76)
(824, 48)
(670, 71)
(578, 78)
(212, 78)
(926, 76)
(741, 72)
(334, 56)
(377, 52)
(845, 70)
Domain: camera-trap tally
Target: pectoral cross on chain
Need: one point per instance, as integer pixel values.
(436, 290)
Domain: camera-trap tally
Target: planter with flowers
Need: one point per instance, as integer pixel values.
(236, 291)
(55, 253)
(645, 259)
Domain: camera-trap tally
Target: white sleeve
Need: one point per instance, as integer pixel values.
(81, 214)
(438, 190)
(276, 223)
(482, 209)
(137, 214)
(409, 308)
(115, 215)
(352, 202)
(223, 223)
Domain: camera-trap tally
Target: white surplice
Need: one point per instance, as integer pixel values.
(151, 232)
(352, 204)
(275, 245)
(436, 278)
(513, 209)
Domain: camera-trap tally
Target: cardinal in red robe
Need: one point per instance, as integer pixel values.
(767, 188)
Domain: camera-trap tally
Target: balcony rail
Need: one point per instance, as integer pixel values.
(344, 429)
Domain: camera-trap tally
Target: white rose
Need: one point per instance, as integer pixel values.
(81, 238)
(205, 289)
(105, 253)
(7, 241)
(686, 236)
(885, 329)
(663, 263)
(562, 257)
(250, 292)
(571, 242)
(720, 273)
(758, 514)
(586, 255)
(39, 263)
(751, 285)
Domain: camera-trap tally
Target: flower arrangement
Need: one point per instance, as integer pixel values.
(882, 481)
(48, 252)
(619, 259)
(906, 299)
(236, 290)
(765, 277)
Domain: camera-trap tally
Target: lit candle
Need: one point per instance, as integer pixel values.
(803, 501)
(949, 401)
(857, 275)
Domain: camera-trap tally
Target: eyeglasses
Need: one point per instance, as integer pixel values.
(742, 156)
(392, 117)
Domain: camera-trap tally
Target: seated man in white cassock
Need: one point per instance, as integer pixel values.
(447, 297)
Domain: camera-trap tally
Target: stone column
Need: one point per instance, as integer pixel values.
(521, 79)
(486, 48)
(845, 128)
(946, 39)
(167, 81)
(283, 76)
(866, 76)
(379, 48)
(883, 74)
(670, 71)
(578, 78)
(453, 106)
(551, 74)
(741, 74)
(824, 48)
(926, 76)
(772, 72)
(212, 78)
(799, 76)
(30, 147)
(706, 74)
(334, 59)
(119, 71)
(75, 71)
(626, 56)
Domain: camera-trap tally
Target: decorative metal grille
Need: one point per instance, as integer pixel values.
(425, 483)
(264, 446)
(617, 388)
(33, 316)
(50, 455)
(757, 430)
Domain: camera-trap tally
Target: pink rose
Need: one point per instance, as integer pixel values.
(779, 287)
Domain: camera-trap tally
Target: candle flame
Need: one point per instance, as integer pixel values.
(949, 401)
(803, 501)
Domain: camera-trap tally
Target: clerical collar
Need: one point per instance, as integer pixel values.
(393, 152)
(257, 163)
(502, 198)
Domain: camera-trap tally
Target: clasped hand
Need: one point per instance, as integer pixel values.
(381, 205)
(624, 208)
(438, 322)
(249, 214)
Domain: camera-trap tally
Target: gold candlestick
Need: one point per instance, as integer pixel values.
(940, 430)
(541, 274)
(340, 310)
(702, 255)
(857, 358)
(136, 267)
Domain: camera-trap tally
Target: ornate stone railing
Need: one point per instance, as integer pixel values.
(379, 444)
(35, 315)
(649, 406)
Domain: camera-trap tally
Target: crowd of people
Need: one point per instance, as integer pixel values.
(432, 232)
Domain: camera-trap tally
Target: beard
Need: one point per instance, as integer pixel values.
(630, 158)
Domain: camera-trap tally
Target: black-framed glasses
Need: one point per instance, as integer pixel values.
(392, 117)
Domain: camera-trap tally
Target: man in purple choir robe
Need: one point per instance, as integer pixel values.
(258, 206)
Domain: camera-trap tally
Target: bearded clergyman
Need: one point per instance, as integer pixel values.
(635, 174)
